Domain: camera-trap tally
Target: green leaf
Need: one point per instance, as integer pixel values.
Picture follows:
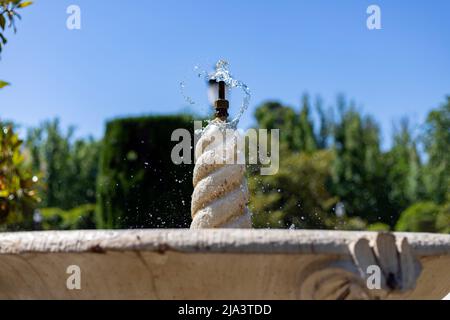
(3, 39)
(3, 84)
(2, 22)
(25, 4)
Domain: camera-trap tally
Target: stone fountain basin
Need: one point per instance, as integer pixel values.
(200, 264)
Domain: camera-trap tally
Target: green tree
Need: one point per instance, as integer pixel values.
(443, 218)
(82, 217)
(325, 124)
(18, 195)
(307, 141)
(420, 217)
(357, 167)
(68, 166)
(296, 129)
(404, 169)
(297, 195)
(273, 115)
(437, 146)
(8, 16)
(358, 172)
(138, 184)
(373, 186)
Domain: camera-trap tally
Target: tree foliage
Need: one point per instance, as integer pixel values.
(437, 145)
(82, 217)
(139, 185)
(18, 195)
(357, 171)
(8, 15)
(297, 195)
(68, 166)
(370, 187)
(443, 218)
(420, 217)
(404, 174)
(334, 175)
(296, 129)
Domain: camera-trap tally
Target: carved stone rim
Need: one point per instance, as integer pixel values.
(212, 240)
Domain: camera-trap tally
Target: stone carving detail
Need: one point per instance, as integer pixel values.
(348, 279)
(220, 189)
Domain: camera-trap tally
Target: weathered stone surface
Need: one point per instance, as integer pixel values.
(218, 264)
(220, 188)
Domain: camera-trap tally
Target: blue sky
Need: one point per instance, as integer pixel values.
(129, 57)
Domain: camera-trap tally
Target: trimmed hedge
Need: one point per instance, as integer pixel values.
(443, 219)
(138, 185)
(82, 217)
(420, 217)
(378, 226)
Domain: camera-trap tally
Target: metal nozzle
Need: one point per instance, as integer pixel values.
(221, 105)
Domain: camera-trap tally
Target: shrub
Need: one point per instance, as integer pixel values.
(18, 186)
(378, 226)
(138, 184)
(443, 219)
(296, 196)
(68, 166)
(350, 223)
(420, 217)
(82, 217)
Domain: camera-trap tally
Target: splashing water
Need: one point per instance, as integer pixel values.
(222, 73)
(187, 98)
